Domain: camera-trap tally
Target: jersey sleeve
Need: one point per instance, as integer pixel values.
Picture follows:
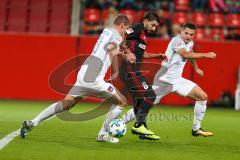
(133, 33)
(115, 40)
(178, 43)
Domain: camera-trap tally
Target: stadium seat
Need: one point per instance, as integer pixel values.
(238, 31)
(216, 34)
(60, 16)
(216, 20)
(38, 20)
(140, 15)
(3, 9)
(17, 15)
(180, 18)
(104, 15)
(199, 19)
(233, 20)
(181, 5)
(91, 15)
(167, 14)
(130, 14)
(201, 34)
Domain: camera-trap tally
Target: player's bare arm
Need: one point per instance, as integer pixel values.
(161, 56)
(196, 68)
(128, 55)
(113, 52)
(115, 68)
(192, 55)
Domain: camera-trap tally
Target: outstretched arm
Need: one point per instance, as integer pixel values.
(152, 55)
(192, 55)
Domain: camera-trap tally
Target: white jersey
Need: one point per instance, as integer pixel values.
(96, 65)
(176, 62)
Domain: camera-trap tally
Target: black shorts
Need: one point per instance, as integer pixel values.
(135, 83)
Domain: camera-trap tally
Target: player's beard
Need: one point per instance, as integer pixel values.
(148, 32)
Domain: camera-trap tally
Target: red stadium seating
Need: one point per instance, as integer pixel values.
(91, 15)
(201, 34)
(104, 15)
(3, 9)
(181, 5)
(233, 20)
(199, 19)
(18, 15)
(39, 16)
(216, 34)
(167, 14)
(140, 15)
(130, 14)
(60, 16)
(216, 20)
(180, 18)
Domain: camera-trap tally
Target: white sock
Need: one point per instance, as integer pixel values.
(129, 116)
(48, 112)
(113, 113)
(199, 112)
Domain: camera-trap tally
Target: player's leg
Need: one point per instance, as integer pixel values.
(136, 85)
(145, 105)
(160, 89)
(189, 89)
(131, 114)
(147, 97)
(117, 101)
(199, 111)
(129, 88)
(68, 102)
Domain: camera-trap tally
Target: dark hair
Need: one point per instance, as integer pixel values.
(121, 19)
(151, 17)
(190, 26)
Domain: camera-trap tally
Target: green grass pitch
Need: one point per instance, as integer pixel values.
(61, 140)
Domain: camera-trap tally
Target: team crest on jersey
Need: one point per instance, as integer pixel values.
(129, 31)
(143, 46)
(110, 89)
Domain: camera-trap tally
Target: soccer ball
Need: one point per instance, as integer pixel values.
(117, 128)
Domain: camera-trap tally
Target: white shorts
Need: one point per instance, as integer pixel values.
(99, 89)
(89, 83)
(182, 87)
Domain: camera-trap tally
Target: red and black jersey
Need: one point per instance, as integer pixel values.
(137, 40)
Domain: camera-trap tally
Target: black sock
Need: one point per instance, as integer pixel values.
(142, 113)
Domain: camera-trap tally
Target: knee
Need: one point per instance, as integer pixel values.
(151, 96)
(203, 96)
(68, 103)
(123, 102)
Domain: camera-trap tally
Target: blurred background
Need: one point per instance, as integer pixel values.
(37, 36)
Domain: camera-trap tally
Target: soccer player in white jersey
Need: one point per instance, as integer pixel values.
(169, 78)
(90, 79)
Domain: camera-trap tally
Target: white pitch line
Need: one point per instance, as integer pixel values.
(8, 138)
